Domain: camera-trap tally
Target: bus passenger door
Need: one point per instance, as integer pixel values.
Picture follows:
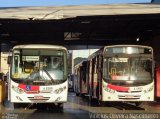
(95, 77)
(99, 69)
(158, 82)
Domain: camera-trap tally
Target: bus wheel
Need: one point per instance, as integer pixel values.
(138, 104)
(90, 97)
(60, 106)
(16, 105)
(101, 103)
(77, 94)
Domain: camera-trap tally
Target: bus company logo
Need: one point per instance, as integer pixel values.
(28, 87)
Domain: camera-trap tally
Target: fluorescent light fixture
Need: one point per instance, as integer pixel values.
(137, 39)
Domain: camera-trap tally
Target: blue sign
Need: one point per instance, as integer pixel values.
(28, 87)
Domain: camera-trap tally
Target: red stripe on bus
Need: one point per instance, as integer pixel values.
(117, 88)
(32, 88)
(95, 83)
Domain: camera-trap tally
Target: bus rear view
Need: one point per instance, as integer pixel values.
(38, 74)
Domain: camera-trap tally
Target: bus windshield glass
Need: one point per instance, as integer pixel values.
(121, 66)
(39, 65)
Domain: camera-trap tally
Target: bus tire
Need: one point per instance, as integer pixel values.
(77, 94)
(16, 105)
(90, 96)
(139, 104)
(60, 106)
(101, 103)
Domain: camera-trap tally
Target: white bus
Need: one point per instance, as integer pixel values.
(38, 74)
(121, 73)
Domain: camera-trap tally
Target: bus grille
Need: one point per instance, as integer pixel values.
(129, 97)
(129, 91)
(33, 99)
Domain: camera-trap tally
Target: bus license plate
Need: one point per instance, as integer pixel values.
(38, 97)
(129, 96)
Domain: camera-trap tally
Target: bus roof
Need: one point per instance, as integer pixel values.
(80, 64)
(110, 46)
(127, 46)
(41, 46)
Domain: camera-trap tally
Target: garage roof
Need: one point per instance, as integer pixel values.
(62, 12)
(80, 25)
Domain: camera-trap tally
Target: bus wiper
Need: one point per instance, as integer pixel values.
(49, 75)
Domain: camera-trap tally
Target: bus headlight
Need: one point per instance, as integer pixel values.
(59, 90)
(149, 89)
(18, 90)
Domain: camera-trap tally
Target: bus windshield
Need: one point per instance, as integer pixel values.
(122, 67)
(39, 65)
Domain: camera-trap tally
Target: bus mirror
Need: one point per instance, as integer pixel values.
(5, 78)
(154, 64)
(9, 59)
(68, 56)
(1, 76)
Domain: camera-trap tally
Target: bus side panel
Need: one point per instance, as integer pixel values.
(90, 79)
(77, 81)
(87, 77)
(80, 79)
(100, 69)
(158, 83)
(83, 79)
(95, 77)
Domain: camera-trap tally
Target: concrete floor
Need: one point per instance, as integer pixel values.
(81, 108)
